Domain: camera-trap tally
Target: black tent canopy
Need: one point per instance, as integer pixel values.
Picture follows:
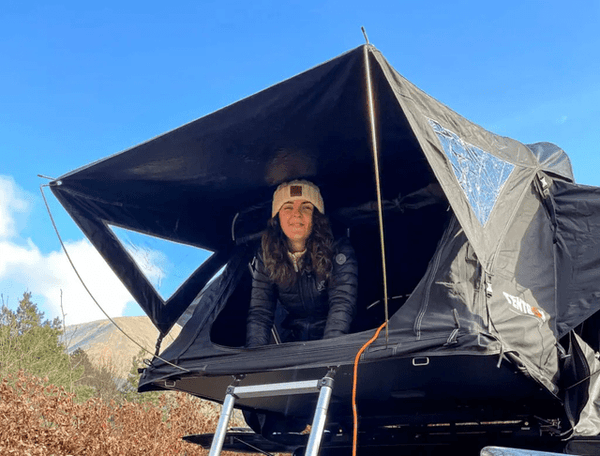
(492, 248)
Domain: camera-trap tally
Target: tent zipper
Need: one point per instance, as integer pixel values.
(436, 264)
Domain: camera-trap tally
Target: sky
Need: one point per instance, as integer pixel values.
(80, 81)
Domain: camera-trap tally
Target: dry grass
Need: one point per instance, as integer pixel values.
(37, 418)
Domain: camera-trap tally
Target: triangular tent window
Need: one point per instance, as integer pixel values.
(165, 264)
(480, 174)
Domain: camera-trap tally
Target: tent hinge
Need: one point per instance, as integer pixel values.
(544, 187)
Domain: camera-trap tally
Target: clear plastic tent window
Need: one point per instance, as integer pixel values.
(165, 264)
(480, 174)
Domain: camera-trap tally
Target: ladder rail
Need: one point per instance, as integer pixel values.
(219, 437)
(318, 425)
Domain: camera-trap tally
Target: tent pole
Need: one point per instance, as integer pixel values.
(365, 34)
(377, 183)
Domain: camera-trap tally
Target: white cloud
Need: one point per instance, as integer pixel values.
(47, 275)
(24, 266)
(13, 200)
(151, 262)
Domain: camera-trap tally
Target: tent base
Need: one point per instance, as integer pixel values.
(431, 440)
(411, 391)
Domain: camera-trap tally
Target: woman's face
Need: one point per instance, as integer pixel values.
(295, 218)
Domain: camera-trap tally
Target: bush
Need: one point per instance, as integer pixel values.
(29, 342)
(37, 418)
(100, 381)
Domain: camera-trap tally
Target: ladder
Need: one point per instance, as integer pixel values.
(323, 386)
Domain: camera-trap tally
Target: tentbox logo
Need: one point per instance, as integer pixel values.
(522, 307)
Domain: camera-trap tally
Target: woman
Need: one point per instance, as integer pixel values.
(300, 266)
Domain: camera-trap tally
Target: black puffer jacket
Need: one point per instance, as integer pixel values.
(315, 310)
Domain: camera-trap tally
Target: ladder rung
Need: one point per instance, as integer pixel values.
(277, 389)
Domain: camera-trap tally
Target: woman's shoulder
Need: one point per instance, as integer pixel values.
(342, 249)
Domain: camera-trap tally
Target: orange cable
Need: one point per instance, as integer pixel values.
(354, 382)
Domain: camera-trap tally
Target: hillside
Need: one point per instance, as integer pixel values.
(106, 345)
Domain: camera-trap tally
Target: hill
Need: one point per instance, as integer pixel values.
(105, 345)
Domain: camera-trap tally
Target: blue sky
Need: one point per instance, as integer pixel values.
(79, 82)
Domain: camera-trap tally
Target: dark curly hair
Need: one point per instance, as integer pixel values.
(319, 251)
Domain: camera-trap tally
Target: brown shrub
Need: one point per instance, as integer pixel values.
(37, 418)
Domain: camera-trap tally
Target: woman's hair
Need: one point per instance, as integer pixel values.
(318, 256)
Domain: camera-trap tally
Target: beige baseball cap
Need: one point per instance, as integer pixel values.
(297, 190)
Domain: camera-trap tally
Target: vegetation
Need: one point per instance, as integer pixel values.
(94, 381)
(52, 403)
(130, 388)
(38, 418)
(30, 343)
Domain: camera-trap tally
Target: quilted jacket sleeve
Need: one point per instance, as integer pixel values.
(342, 290)
(263, 301)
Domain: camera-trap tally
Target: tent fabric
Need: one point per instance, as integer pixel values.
(492, 248)
(577, 235)
(553, 160)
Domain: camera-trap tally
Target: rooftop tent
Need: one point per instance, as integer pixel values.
(492, 248)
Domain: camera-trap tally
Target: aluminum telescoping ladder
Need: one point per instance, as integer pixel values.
(323, 386)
